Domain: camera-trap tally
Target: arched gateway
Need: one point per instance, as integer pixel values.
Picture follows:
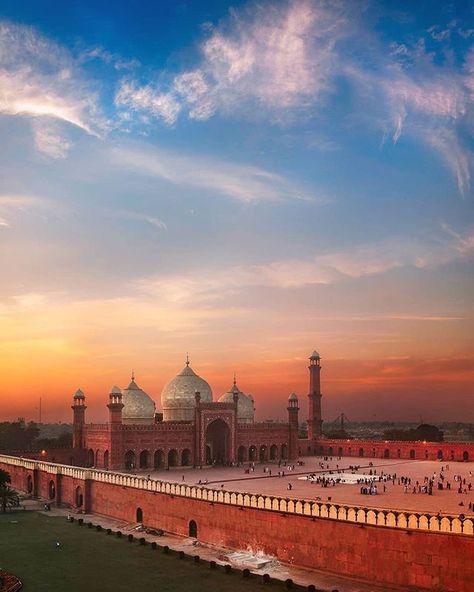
(218, 448)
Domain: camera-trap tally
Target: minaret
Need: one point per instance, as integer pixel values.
(115, 405)
(293, 410)
(79, 418)
(315, 422)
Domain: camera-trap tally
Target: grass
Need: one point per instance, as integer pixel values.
(91, 561)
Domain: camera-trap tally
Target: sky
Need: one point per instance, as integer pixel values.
(246, 182)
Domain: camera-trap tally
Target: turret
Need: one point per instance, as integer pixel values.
(315, 422)
(79, 417)
(115, 405)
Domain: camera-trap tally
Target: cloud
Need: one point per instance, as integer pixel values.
(274, 57)
(49, 140)
(149, 99)
(323, 269)
(156, 222)
(13, 207)
(241, 182)
(39, 78)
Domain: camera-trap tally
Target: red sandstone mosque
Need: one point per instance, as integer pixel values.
(193, 429)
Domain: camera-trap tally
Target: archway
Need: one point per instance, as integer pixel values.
(440, 455)
(144, 456)
(79, 497)
(130, 459)
(386, 453)
(340, 452)
(218, 440)
(252, 453)
(51, 490)
(465, 455)
(159, 459)
(172, 458)
(361, 452)
(426, 454)
(273, 452)
(29, 484)
(399, 453)
(412, 454)
(106, 459)
(284, 451)
(90, 458)
(241, 454)
(186, 457)
(139, 515)
(193, 529)
(263, 453)
(330, 451)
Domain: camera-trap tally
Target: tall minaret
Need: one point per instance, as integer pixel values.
(79, 418)
(315, 422)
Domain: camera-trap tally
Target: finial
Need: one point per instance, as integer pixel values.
(187, 359)
(235, 381)
(133, 374)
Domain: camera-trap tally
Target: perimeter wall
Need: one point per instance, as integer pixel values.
(409, 550)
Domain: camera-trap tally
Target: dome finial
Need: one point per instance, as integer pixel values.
(187, 360)
(235, 381)
(133, 374)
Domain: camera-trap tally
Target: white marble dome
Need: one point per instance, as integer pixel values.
(178, 396)
(245, 404)
(139, 408)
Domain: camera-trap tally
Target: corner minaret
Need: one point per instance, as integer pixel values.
(315, 422)
(79, 418)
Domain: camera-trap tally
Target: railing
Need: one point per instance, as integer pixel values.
(312, 509)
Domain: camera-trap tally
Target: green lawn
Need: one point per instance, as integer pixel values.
(91, 561)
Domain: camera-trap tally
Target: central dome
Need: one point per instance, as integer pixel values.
(178, 396)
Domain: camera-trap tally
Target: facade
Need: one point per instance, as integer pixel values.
(193, 430)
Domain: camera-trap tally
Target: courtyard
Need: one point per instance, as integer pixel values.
(268, 479)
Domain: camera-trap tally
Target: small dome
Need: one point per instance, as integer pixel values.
(115, 390)
(79, 394)
(245, 404)
(138, 406)
(315, 356)
(293, 397)
(178, 396)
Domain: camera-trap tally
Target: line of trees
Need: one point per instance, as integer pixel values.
(18, 435)
(9, 498)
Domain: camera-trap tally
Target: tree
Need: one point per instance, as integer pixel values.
(4, 478)
(9, 498)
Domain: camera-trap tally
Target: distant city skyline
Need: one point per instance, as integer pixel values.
(244, 181)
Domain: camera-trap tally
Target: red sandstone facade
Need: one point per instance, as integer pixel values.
(214, 434)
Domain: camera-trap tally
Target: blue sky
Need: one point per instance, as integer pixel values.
(243, 180)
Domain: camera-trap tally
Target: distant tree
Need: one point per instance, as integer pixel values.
(4, 478)
(424, 431)
(9, 498)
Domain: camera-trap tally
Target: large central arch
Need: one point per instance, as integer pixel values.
(218, 443)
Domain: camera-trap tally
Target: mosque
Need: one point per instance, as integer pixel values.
(193, 429)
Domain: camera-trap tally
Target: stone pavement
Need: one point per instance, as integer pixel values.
(235, 479)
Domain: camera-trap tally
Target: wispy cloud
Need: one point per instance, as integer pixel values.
(323, 269)
(38, 79)
(275, 57)
(13, 207)
(241, 182)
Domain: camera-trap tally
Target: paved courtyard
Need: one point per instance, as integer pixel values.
(390, 494)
